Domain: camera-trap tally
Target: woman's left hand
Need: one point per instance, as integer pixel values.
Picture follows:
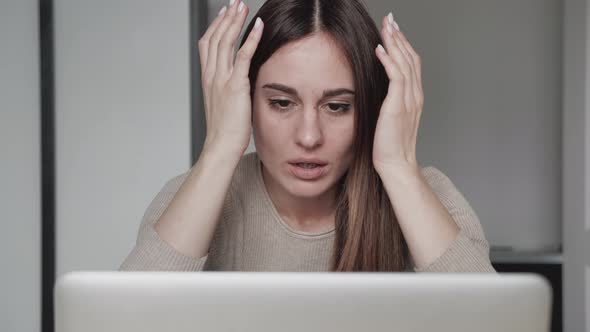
(394, 146)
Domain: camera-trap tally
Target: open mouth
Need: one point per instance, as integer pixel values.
(305, 165)
(308, 171)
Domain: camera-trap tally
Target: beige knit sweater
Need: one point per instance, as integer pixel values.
(251, 236)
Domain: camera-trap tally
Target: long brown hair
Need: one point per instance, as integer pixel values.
(368, 235)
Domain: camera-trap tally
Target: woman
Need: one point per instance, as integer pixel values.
(334, 105)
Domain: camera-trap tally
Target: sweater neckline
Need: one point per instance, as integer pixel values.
(268, 201)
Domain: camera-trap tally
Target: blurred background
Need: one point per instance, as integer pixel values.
(101, 104)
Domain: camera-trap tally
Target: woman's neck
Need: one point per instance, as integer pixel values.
(313, 214)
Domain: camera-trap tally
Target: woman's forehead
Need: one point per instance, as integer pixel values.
(315, 60)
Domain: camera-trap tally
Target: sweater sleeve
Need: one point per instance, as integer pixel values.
(151, 253)
(470, 250)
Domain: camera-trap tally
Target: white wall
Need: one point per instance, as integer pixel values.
(20, 238)
(122, 121)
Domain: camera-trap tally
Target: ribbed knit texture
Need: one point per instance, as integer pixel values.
(251, 236)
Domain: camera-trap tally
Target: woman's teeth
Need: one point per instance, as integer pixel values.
(304, 165)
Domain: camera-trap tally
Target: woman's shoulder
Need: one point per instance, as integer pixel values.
(446, 190)
(440, 183)
(433, 175)
(247, 168)
(173, 184)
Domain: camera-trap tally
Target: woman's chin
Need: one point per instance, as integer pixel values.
(307, 189)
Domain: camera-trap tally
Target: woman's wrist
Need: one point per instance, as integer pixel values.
(218, 152)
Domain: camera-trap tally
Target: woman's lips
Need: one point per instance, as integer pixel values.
(308, 173)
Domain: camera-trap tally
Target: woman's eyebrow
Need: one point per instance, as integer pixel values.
(338, 92)
(291, 91)
(280, 87)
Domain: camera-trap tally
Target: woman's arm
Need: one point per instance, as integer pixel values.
(188, 209)
(441, 229)
(189, 222)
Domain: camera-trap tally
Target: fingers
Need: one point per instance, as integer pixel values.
(228, 41)
(406, 61)
(392, 28)
(395, 52)
(228, 17)
(204, 41)
(396, 91)
(393, 49)
(417, 65)
(413, 59)
(244, 55)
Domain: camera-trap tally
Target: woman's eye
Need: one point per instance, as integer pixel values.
(338, 108)
(280, 104)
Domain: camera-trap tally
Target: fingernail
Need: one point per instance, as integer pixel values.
(241, 7)
(222, 11)
(380, 48)
(231, 2)
(390, 18)
(257, 23)
(396, 26)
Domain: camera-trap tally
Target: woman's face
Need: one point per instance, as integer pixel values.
(304, 108)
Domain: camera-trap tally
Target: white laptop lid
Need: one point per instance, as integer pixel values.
(266, 301)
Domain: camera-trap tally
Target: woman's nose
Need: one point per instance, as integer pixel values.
(309, 132)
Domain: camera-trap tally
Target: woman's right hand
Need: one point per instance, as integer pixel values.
(226, 86)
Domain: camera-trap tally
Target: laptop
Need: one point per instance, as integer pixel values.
(300, 302)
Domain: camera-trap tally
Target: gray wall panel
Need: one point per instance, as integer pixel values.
(122, 121)
(20, 189)
(576, 154)
(492, 115)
